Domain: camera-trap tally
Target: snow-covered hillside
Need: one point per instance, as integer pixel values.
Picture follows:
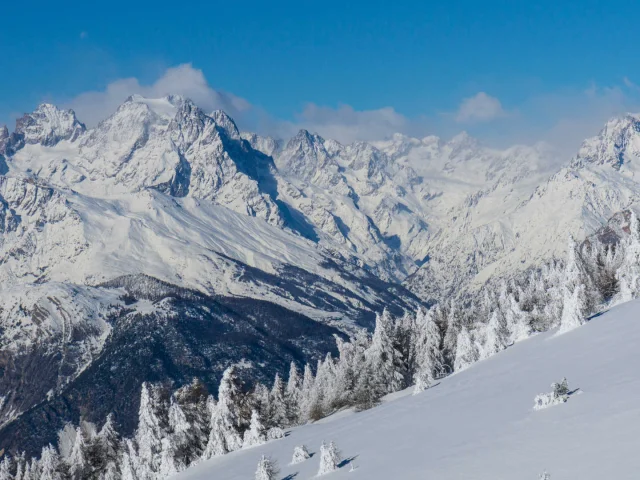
(164, 203)
(480, 424)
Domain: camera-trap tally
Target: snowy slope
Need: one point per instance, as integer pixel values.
(479, 424)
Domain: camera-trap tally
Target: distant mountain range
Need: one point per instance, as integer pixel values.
(165, 244)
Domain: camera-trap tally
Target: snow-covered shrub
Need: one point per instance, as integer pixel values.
(329, 458)
(300, 454)
(545, 476)
(560, 394)
(267, 469)
(275, 433)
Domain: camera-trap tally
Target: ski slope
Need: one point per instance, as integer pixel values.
(479, 424)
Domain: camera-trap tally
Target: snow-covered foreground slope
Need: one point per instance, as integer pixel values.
(479, 424)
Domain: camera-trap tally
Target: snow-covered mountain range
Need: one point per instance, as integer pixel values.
(163, 212)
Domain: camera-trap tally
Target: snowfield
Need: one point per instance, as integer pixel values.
(480, 424)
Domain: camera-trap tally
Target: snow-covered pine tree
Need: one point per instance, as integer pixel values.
(300, 454)
(111, 472)
(168, 464)
(497, 335)
(180, 434)
(5, 468)
(329, 458)
(560, 389)
(260, 399)
(428, 358)
(577, 272)
(31, 470)
(26, 474)
(106, 446)
(194, 399)
(277, 403)
(545, 476)
(386, 362)
(292, 395)
(452, 322)
(325, 386)
(366, 392)
(49, 465)
(217, 443)
(255, 435)
(573, 308)
(20, 466)
(129, 464)
(78, 464)
(306, 399)
(148, 435)
(466, 350)
(229, 405)
(267, 469)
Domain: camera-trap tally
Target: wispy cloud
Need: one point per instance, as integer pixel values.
(561, 118)
(91, 107)
(479, 108)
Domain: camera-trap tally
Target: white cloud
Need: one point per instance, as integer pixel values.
(346, 125)
(479, 108)
(562, 118)
(91, 107)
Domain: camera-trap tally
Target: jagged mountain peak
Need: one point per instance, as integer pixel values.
(268, 145)
(616, 144)
(46, 125)
(225, 122)
(304, 137)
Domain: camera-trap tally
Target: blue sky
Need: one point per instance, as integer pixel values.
(505, 71)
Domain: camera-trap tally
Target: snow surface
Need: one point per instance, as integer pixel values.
(479, 424)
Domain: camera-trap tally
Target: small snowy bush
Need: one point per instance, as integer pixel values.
(545, 476)
(329, 458)
(267, 469)
(275, 433)
(300, 454)
(560, 394)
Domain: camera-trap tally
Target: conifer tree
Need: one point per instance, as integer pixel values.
(20, 466)
(149, 434)
(267, 469)
(385, 360)
(292, 395)
(49, 465)
(111, 472)
(306, 396)
(107, 443)
(168, 464)
(129, 461)
(428, 358)
(78, 465)
(229, 403)
(497, 335)
(300, 454)
(329, 458)
(181, 433)
(5, 469)
(277, 403)
(466, 350)
(255, 435)
(572, 309)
